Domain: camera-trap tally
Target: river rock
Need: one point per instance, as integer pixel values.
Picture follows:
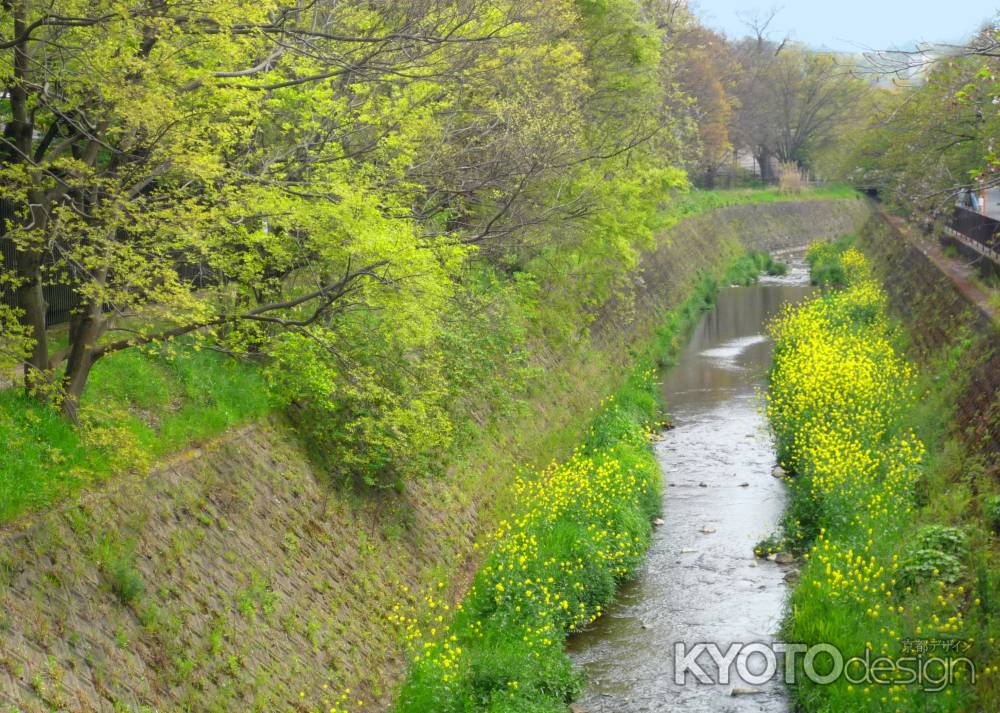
(744, 691)
(784, 558)
(778, 472)
(744, 485)
(706, 530)
(657, 522)
(703, 484)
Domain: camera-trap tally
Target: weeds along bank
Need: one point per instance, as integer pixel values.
(890, 501)
(234, 577)
(577, 530)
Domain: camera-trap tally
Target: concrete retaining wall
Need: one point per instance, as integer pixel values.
(943, 311)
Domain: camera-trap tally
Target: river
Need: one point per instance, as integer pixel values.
(700, 581)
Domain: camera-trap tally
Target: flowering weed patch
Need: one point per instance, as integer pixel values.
(877, 581)
(582, 528)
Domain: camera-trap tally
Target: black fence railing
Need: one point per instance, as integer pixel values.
(976, 232)
(976, 226)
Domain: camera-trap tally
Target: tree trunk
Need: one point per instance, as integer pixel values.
(763, 158)
(27, 258)
(31, 300)
(86, 328)
(710, 177)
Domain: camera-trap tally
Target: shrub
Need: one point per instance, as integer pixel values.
(825, 266)
(992, 511)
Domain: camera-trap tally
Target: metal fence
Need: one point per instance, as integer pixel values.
(976, 232)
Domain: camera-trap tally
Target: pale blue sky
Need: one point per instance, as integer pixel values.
(854, 25)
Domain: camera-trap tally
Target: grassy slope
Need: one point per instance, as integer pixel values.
(140, 405)
(925, 568)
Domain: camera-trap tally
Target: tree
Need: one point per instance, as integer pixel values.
(708, 74)
(933, 134)
(145, 138)
(333, 187)
(792, 101)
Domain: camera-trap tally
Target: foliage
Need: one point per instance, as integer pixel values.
(792, 102)
(934, 134)
(936, 554)
(389, 238)
(992, 508)
(751, 266)
(826, 267)
(241, 184)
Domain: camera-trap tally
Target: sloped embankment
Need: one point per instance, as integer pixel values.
(940, 314)
(230, 579)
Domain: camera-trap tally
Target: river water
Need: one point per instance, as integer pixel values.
(700, 581)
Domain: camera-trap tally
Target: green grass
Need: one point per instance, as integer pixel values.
(139, 405)
(825, 267)
(117, 564)
(749, 267)
(701, 201)
(504, 650)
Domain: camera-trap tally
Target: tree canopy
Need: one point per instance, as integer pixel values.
(381, 202)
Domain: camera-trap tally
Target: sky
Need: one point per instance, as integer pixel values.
(853, 25)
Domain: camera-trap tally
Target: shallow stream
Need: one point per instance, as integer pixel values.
(701, 582)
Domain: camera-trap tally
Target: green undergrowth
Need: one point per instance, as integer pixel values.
(140, 405)
(825, 265)
(579, 528)
(750, 266)
(890, 508)
(701, 201)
